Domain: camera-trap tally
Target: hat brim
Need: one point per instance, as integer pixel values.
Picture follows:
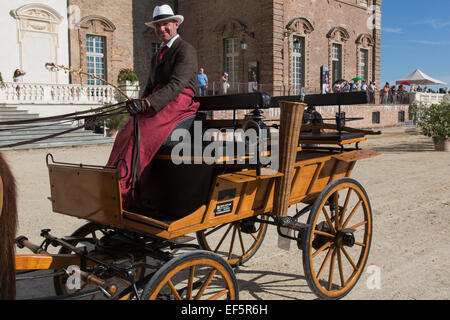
(178, 18)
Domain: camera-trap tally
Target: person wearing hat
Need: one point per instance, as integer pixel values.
(167, 99)
(224, 84)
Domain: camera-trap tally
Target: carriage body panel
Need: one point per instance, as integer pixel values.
(94, 194)
(88, 193)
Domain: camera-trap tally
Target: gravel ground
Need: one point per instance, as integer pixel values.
(408, 187)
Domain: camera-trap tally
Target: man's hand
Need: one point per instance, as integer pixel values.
(136, 106)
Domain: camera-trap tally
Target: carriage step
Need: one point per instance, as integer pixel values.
(181, 239)
(291, 223)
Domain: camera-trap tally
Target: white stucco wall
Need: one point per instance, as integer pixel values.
(34, 45)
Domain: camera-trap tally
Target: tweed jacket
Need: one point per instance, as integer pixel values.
(176, 71)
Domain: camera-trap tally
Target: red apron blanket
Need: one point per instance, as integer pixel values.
(155, 128)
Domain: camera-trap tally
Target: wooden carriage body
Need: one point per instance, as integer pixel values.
(193, 198)
(94, 194)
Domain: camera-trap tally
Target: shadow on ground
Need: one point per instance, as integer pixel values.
(278, 285)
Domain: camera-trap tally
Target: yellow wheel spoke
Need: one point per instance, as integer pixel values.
(349, 258)
(322, 267)
(223, 238)
(358, 225)
(325, 246)
(341, 269)
(330, 277)
(230, 252)
(174, 290)
(327, 217)
(218, 295)
(215, 229)
(352, 213)
(190, 283)
(329, 235)
(205, 285)
(344, 208)
(241, 241)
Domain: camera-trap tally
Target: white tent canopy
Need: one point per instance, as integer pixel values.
(418, 77)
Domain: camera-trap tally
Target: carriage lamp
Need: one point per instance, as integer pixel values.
(243, 45)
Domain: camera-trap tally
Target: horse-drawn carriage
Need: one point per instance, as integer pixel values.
(226, 199)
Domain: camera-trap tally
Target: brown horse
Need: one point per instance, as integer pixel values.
(8, 226)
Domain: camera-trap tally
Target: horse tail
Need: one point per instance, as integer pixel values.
(8, 228)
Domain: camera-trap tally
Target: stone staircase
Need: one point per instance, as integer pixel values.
(35, 130)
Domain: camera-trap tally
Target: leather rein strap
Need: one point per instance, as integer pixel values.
(136, 160)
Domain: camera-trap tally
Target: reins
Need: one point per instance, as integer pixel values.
(90, 116)
(75, 116)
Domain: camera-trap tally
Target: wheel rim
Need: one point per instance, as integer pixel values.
(230, 242)
(197, 279)
(339, 240)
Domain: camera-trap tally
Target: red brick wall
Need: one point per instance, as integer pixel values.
(111, 19)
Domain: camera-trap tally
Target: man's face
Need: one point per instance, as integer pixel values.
(166, 30)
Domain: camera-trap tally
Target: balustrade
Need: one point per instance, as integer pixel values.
(34, 93)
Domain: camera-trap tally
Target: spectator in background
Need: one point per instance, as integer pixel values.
(364, 86)
(385, 93)
(18, 78)
(337, 87)
(202, 82)
(401, 94)
(224, 84)
(347, 87)
(393, 94)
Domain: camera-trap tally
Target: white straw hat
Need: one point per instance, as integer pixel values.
(162, 13)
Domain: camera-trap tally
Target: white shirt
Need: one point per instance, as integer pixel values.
(171, 41)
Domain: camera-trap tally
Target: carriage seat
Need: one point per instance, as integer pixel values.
(176, 190)
(331, 137)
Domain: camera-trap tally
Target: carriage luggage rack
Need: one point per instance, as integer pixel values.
(81, 165)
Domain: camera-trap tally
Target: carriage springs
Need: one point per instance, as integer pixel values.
(229, 146)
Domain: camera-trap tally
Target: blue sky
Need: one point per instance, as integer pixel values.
(415, 34)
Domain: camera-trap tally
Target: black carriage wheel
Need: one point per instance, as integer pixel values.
(195, 275)
(336, 246)
(236, 241)
(92, 230)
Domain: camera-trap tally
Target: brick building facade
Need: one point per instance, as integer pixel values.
(289, 41)
(281, 45)
(286, 42)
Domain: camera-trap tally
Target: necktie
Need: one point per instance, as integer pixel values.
(161, 53)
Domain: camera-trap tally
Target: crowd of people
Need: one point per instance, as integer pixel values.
(352, 86)
(389, 94)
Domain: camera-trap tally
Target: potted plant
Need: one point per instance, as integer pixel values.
(115, 123)
(434, 122)
(129, 83)
(128, 77)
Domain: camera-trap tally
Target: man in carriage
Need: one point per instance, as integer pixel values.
(167, 99)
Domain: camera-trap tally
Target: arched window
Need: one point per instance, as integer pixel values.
(92, 47)
(230, 34)
(364, 46)
(337, 38)
(297, 30)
